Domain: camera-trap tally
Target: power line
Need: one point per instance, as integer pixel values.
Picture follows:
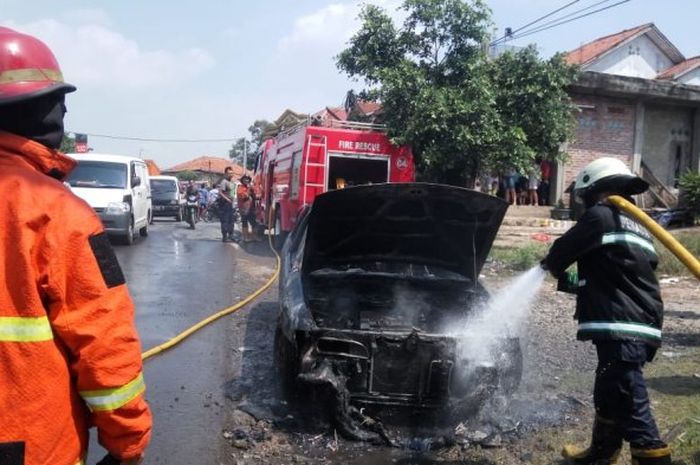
(543, 28)
(505, 36)
(566, 16)
(149, 139)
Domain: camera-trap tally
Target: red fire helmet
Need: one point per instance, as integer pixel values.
(28, 68)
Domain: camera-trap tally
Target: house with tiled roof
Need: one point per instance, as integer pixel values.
(208, 169)
(639, 100)
(685, 72)
(365, 111)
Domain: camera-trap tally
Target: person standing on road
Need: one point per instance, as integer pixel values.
(70, 354)
(225, 200)
(545, 174)
(618, 308)
(245, 196)
(203, 201)
(533, 181)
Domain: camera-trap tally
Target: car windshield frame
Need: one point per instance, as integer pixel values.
(97, 174)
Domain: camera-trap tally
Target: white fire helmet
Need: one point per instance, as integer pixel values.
(608, 175)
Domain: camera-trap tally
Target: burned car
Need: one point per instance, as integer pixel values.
(375, 283)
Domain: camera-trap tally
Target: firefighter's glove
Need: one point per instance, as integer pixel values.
(568, 282)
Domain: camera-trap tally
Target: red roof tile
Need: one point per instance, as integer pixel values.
(153, 169)
(592, 50)
(680, 69)
(368, 108)
(338, 113)
(207, 164)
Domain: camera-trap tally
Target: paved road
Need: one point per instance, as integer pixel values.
(178, 277)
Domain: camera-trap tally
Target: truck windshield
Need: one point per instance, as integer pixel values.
(98, 174)
(159, 186)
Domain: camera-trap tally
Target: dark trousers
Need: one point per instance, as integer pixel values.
(620, 394)
(226, 217)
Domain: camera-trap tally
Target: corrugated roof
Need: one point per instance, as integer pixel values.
(592, 50)
(206, 164)
(680, 69)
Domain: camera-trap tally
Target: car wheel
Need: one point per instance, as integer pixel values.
(144, 231)
(129, 238)
(286, 362)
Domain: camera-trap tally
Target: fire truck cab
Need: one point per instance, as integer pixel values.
(305, 161)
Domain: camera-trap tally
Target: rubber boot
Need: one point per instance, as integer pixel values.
(255, 234)
(658, 456)
(606, 442)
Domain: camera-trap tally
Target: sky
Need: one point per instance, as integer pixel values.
(207, 69)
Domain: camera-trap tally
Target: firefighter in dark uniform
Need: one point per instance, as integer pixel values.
(618, 308)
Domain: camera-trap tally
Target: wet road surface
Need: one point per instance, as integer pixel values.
(177, 277)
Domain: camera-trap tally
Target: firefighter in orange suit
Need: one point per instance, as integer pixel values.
(70, 356)
(246, 205)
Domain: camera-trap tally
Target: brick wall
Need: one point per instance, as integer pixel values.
(605, 128)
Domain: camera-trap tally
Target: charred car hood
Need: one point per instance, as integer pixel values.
(420, 224)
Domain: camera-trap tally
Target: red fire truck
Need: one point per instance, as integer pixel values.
(306, 160)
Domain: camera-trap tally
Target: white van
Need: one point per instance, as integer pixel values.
(117, 187)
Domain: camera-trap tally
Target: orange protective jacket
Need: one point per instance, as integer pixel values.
(243, 197)
(70, 357)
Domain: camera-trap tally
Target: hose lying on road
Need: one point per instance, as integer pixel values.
(227, 311)
(660, 233)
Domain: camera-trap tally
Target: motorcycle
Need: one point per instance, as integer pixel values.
(191, 210)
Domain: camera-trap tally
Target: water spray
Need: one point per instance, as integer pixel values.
(501, 317)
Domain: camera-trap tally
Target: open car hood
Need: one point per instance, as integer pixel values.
(421, 224)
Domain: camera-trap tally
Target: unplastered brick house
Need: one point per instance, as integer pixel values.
(638, 99)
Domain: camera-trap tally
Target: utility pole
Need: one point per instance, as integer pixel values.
(245, 154)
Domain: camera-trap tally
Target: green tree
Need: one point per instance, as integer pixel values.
(442, 95)
(240, 146)
(259, 131)
(187, 175)
(690, 192)
(532, 98)
(67, 144)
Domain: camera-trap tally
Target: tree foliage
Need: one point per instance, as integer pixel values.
(461, 112)
(690, 192)
(237, 150)
(187, 175)
(259, 131)
(67, 144)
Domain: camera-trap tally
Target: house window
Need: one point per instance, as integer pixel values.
(587, 122)
(676, 163)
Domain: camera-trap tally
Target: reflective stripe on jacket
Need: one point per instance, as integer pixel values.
(70, 357)
(618, 295)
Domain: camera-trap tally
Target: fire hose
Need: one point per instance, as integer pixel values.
(675, 247)
(226, 311)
